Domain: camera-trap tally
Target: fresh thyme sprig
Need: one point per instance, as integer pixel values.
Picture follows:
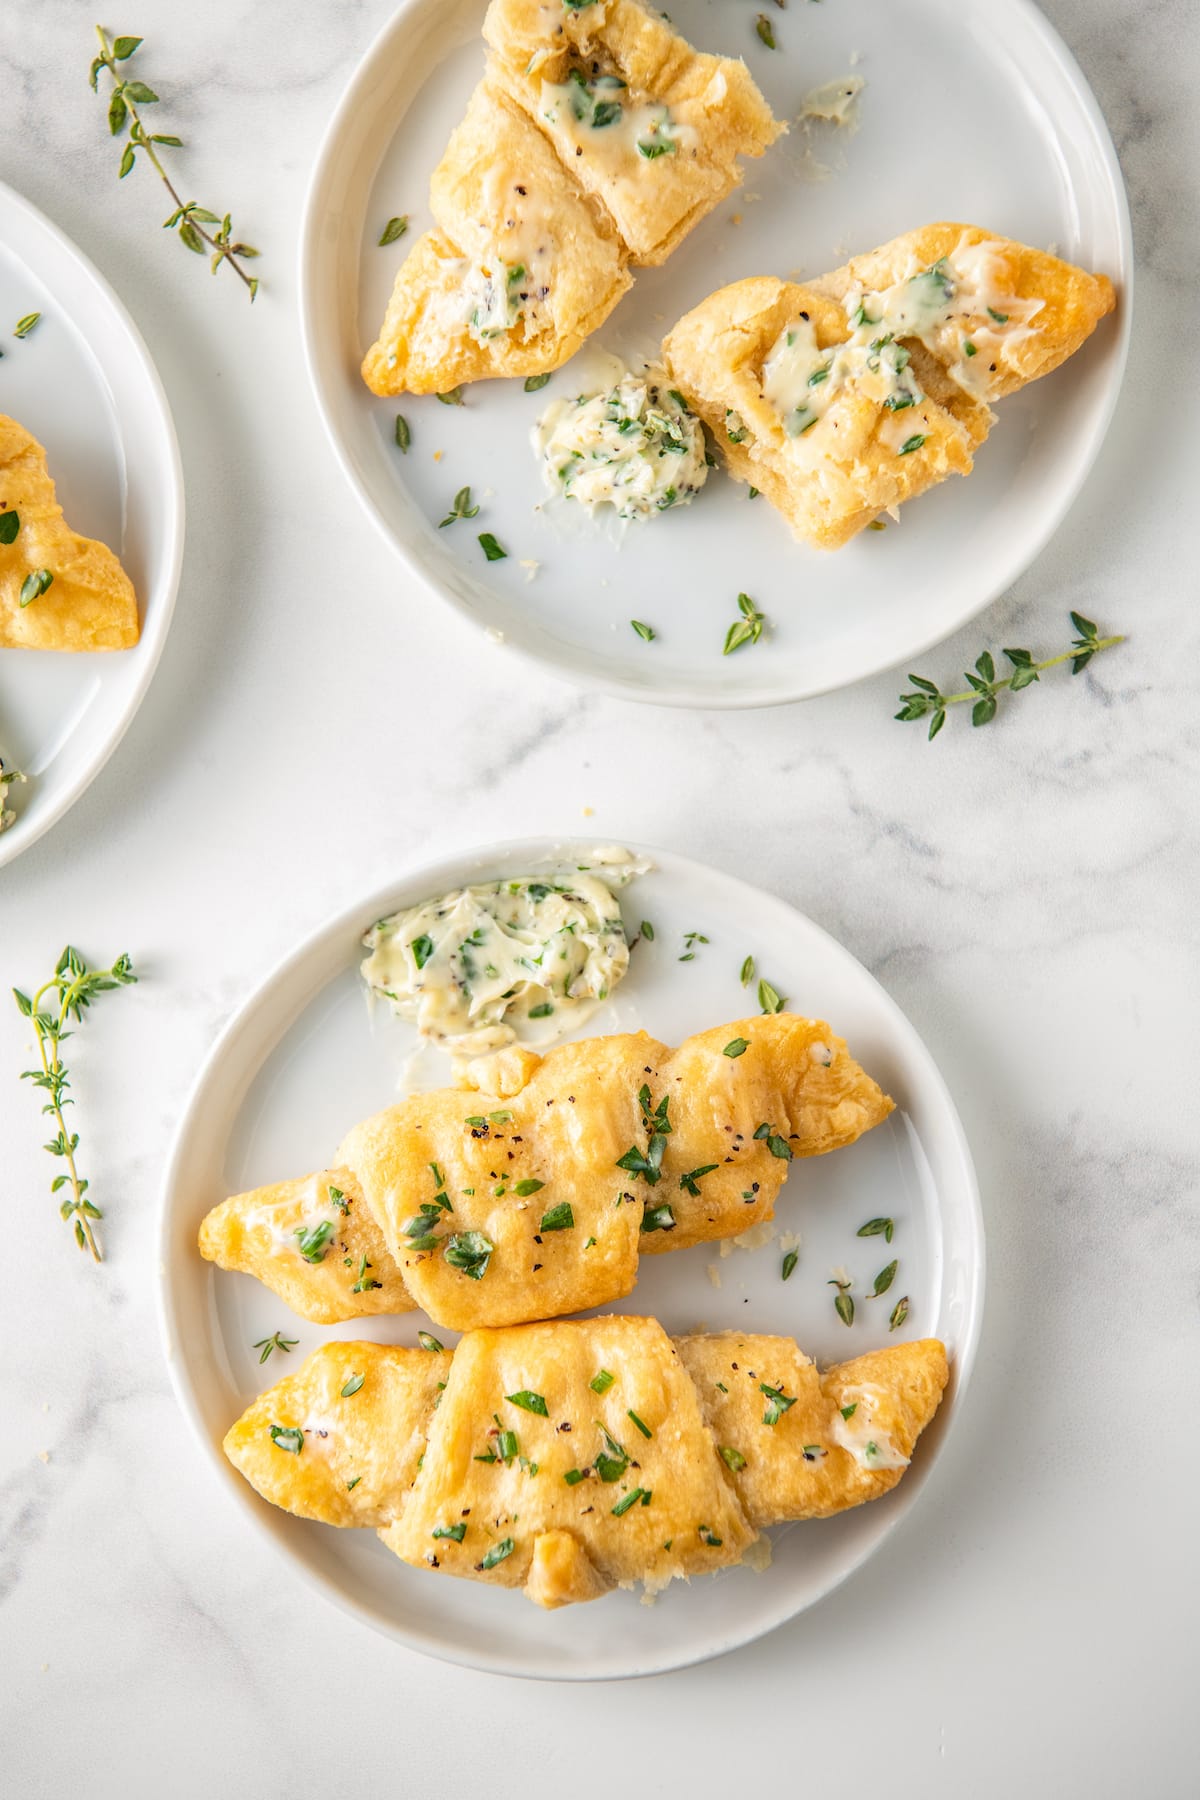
(71, 990)
(930, 703)
(189, 219)
(746, 630)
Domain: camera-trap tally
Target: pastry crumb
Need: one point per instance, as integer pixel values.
(714, 1275)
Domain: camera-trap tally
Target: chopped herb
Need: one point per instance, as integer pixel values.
(287, 1437)
(912, 443)
(747, 974)
(25, 326)
(884, 1280)
(601, 1382)
(351, 1485)
(365, 1283)
(612, 1462)
(403, 433)
(969, 348)
(452, 397)
(647, 928)
(10, 524)
(766, 34)
(769, 998)
(899, 1314)
(709, 1536)
(491, 549)
(811, 1452)
(658, 1218)
(314, 1240)
(589, 1243)
(789, 1263)
(460, 508)
(393, 230)
(877, 1228)
(574, 1476)
(642, 1427)
(471, 1252)
(352, 1386)
(497, 1553)
(528, 1186)
(422, 949)
(984, 686)
(777, 1403)
(647, 632)
(337, 1198)
(848, 1412)
(732, 1457)
(458, 1532)
(528, 1402)
(541, 1012)
(559, 1218)
(746, 630)
(274, 1342)
(35, 585)
(872, 1449)
(778, 1146)
(691, 1181)
(427, 1341)
(1000, 318)
(736, 1047)
(535, 382)
(652, 147)
(631, 1499)
(844, 1307)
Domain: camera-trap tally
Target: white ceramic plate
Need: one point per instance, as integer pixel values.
(304, 1059)
(83, 383)
(967, 114)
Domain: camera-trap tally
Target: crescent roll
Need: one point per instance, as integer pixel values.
(536, 1194)
(843, 398)
(596, 139)
(58, 590)
(568, 1459)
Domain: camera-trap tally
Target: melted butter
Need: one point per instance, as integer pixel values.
(599, 119)
(835, 103)
(471, 966)
(632, 445)
(958, 309)
(868, 1443)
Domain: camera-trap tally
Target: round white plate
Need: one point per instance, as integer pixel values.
(304, 1059)
(983, 118)
(83, 383)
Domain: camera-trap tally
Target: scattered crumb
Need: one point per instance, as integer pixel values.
(757, 1556)
(488, 494)
(754, 1239)
(438, 455)
(497, 637)
(45, 1666)
(45, 1406)
(789, 1241)
(44, 1455)
(737, 218)
(649, 1599)
(714, 1275)
(588, 811)
(530, 567)
(835, 102)
(855, 58)
(751, 198)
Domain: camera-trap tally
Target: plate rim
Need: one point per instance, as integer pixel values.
(152, 640)
(682, 693)
(343, 922)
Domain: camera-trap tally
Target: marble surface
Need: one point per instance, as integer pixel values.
(1026, 893)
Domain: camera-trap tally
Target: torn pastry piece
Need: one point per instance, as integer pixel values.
(522, 267)
(535, 1194)
(58, 591)
(568, 1459)
(314, 1242)
(648, 125)
(847, 396)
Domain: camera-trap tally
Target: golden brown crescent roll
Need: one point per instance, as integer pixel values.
(596, 138)
(535, 1195)
(845, 397)
(89, 604)
(571, 1458)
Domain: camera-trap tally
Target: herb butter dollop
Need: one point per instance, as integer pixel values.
(632, 445)
(470, 967)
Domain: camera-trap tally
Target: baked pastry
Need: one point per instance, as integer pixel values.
(651, 128)
(536, 1194)
(58, 591)
(596, 138)
(842, 398)
(568, 1459)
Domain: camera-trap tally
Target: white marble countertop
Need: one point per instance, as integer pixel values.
(1026, 893)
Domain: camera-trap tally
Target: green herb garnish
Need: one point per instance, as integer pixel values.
(365, 1282)
(613, 1461)
(67, 995)
(422, 949)
(766, 35)
(746, 630)
(35, 585)
(452, 397)
(393, 230)
(644, 631)
(899, 1314)
(641, 1425)
(534, 383)
(403, 433)
(497, 1553)
(491, 549)
(314, 1240)
(574, 1476)
(528, 1402)
(627, 1500)
(769, 998)
(912, 443)
(601, 1382)
(848, 1412)
(778, 1146)
(274, 1342)
(460, 508)
(884, 1280)
(647, 931)
(747, 973)
(189, 220)
(559, 1218)
(736, 1047)
(351, 1485)
(789, 1263)
(471, 1252)
(10, 524)
(457, 1532)
(733, 1458)
(352, 1386)
(777, 1403)
(691, 1181)
(427, 1341)
(931, 703)
(24, 326)
(528, 1186)
(287, 1437)
(658, 1218)
(709, 1536)
(877, 1228)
